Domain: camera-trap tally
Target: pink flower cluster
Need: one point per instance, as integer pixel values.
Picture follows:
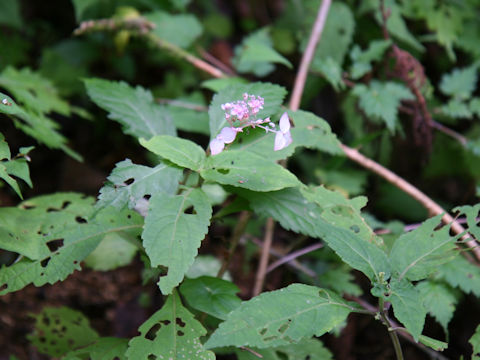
(243, 113)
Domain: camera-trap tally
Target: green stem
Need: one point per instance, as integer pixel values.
(392, 333)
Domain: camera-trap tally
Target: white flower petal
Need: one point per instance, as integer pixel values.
(280, 141)
(227, 135)
(216, 146)
(284, 123)
(288, 138)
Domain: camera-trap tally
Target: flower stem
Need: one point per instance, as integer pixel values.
(392, 333)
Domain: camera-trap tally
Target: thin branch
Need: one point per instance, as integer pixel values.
(411, 190)
(262, 267)
(447, 131)
(293, 256)
(238, 231)
(308, 55)
(214, 61)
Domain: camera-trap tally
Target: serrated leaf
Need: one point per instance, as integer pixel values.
(340, 280)
(59, 330)
(211, 295)
(106, 348)
(460, 273)
(471, 212)
(129, 183)
(133, 108)
(65, 246)
(361, 60)
(281, 317)
(247, 170)
(380, 100)
(273, 95)
(181, 152)
(256, 50)
(475, 342)
(332, 72)
(456, 108)
(294, 212)
(180, 29)
(460, 83)
(174, 228)
(440, 300)
(407, 306)
(171, 333)
(435, 344)
(417, 254)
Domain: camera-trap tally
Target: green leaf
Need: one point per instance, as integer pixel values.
(133, 108)
(460, 273)
(456, 109)
(460, 83)
(380, 100)
(332, 72)
(181, 152)
(106, 348)
(440, 300)
(211, 295)
(10, 14)
(417, 254)
(17, 167)
(273, 95)
(129, 183)
(216, 85)
(471, 213)
(362, 60)
(174, 228)
(189, 115)
(80, 6)
(66, 245)
(336, 36)
(281, 317)
(115, 250)
(311, 349)
(59, 330)
(340, 280)
(475, 342)
(256, 50)
(407, 306)
(435, 344)
(171, 333)
(181, 29)
(294, 212)
(247, 170)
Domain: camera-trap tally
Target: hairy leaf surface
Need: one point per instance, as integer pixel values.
(281, 317)
(171, 333)
(174, 228)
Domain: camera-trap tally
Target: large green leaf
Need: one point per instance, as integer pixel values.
(417, 254)
(171, 333)
(59, 330)
(134, 108)
(211, 295)
(294, 212)
(380, 100)
(107, 348)
(181, 152)
(440, 301)
(174, 228)
(273, 95)
(129, 183)
(181, 30)
(407, 306)
(281, 317)
(65, 245)
(460, 273)
(247, 170)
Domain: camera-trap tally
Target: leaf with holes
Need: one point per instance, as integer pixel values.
(472, 214)
(134, 108)
(59, 330)
(281, 317)
(181, 152)
(294, 212)
(174, 228)
(107, 348)
(211, 295)
(419, 253)
(68, 245)
(170, 333)
(407, 306)
(129, 184)
(247, 170)
(272, 94)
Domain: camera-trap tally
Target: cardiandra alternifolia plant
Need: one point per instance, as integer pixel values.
(163, 210)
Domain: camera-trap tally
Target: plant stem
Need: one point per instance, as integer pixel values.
(238, 231)
(392, 333)
(294, 255)
(262, 267)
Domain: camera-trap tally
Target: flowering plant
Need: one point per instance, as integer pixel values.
(242, 114)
